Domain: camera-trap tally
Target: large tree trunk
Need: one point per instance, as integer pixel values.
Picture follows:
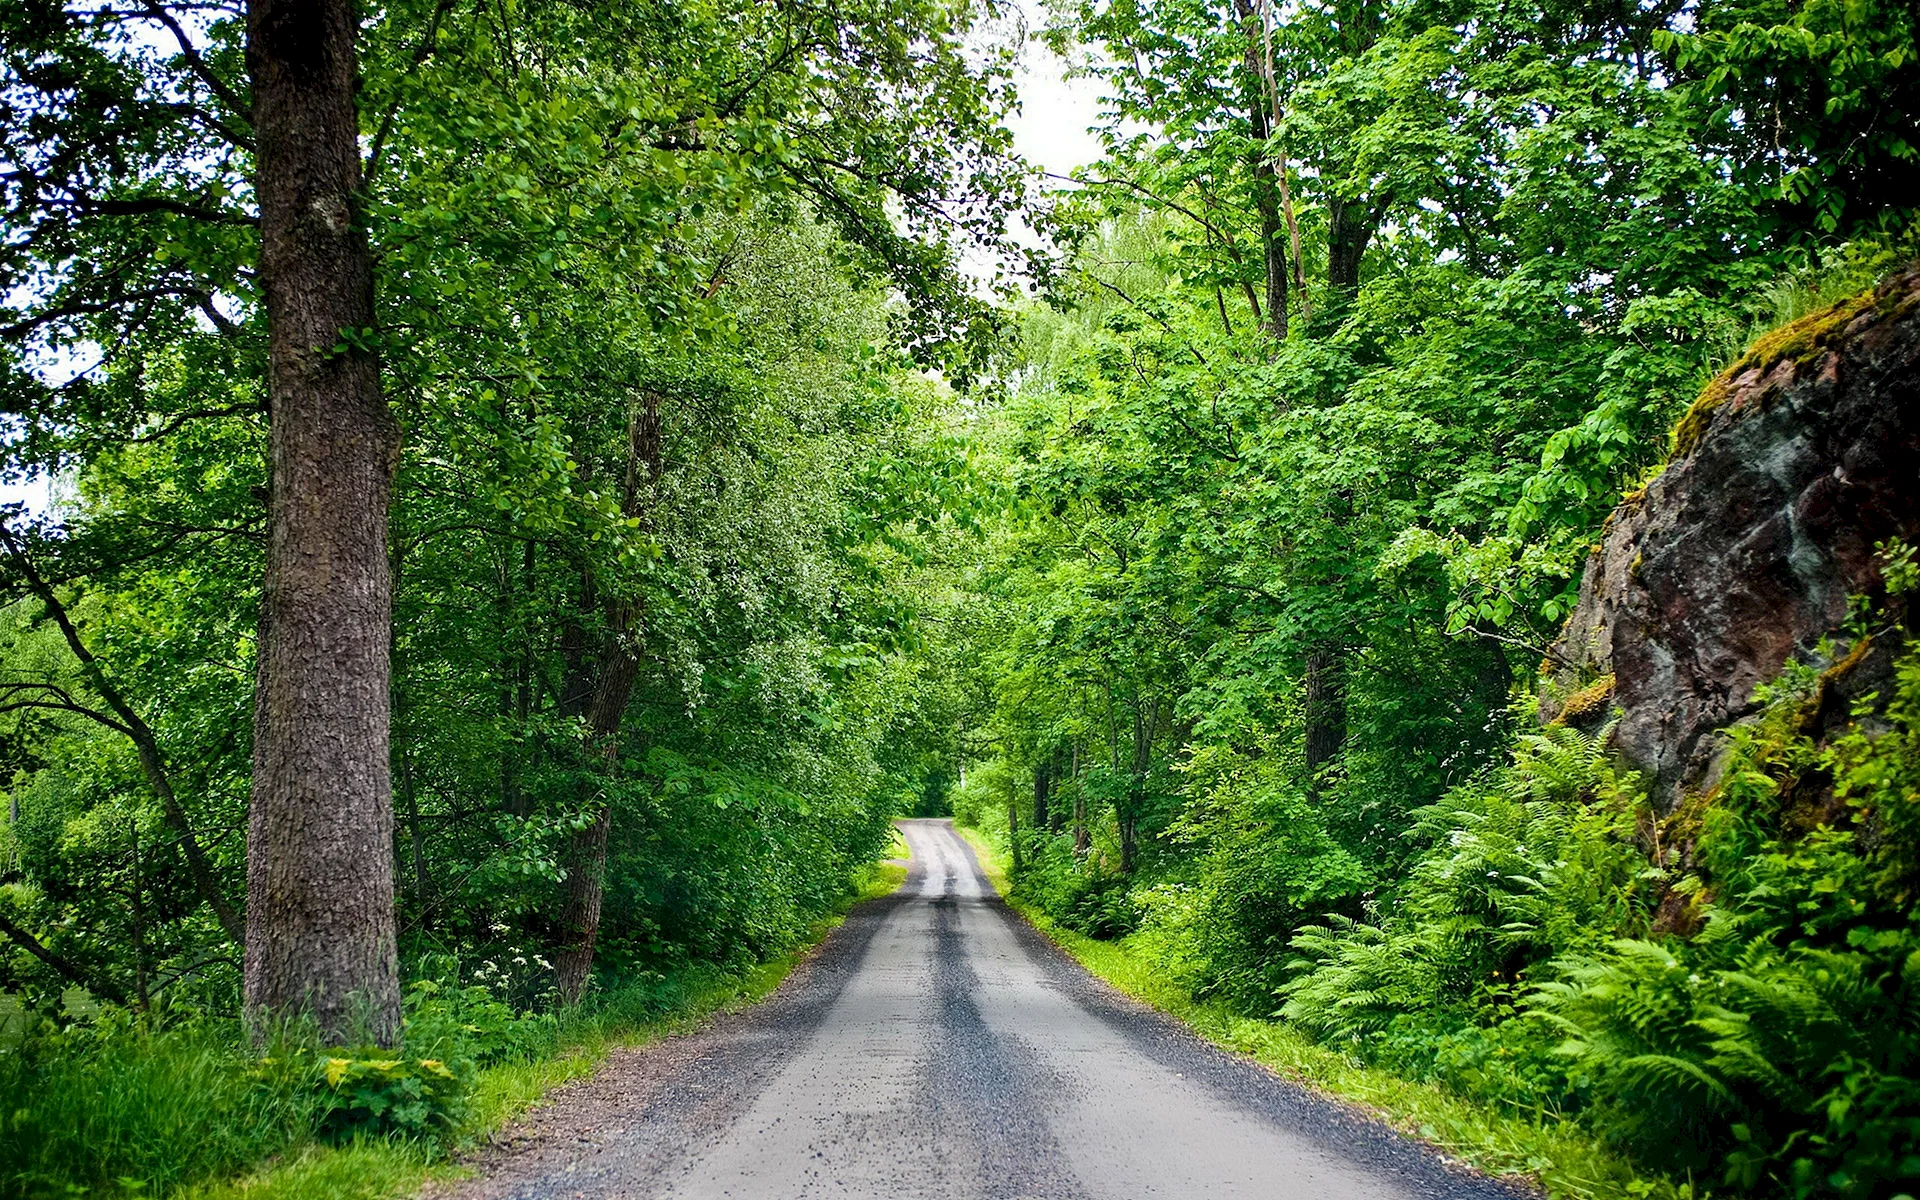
(320, 920)
(613, 677)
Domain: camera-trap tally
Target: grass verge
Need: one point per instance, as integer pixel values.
(382, 1169)
(1559, 1157)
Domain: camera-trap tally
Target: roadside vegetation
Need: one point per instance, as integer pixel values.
(1475, 923)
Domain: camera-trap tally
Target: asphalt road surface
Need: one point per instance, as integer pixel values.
(937, 1047)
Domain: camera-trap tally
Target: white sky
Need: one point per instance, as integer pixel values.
(1050, 131)
(37, 495)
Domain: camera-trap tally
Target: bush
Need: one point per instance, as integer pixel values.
(470, 1027)
(1086, 895)
(111, 1103)
(1269, 865)
(368, 1090)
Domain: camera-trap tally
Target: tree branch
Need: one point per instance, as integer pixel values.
(152, 765)
(198, 65)
(421, 53)
(61, 966)
(61, 701)
(198, 414)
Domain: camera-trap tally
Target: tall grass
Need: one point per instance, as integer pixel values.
(116, 1107)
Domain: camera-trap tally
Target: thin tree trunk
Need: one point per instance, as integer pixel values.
(1266, 183)
(320, 914)
(1042, 790)
(1013, 828)
(1350, 229)
(138, 907)
(1082, 840)
(1275, 257)
(614, 675)
(1060, 814)
(1281, 167)
(416, 838)
(1145, 724)
(1326, 709)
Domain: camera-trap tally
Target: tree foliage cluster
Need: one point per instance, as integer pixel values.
(1373, 312)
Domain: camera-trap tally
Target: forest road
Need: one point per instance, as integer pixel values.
(936, 1047)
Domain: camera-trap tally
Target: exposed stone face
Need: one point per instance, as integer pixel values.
(1745, 551)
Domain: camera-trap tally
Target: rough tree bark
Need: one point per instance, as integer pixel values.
(615, 669)
(320, 915)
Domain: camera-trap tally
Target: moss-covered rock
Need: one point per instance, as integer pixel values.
(1745, 552)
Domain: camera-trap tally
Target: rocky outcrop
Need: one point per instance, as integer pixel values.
(1744, 553)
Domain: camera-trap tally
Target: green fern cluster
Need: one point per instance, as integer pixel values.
(1781, 1042)
(1772, 1050)
(1534, 862)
